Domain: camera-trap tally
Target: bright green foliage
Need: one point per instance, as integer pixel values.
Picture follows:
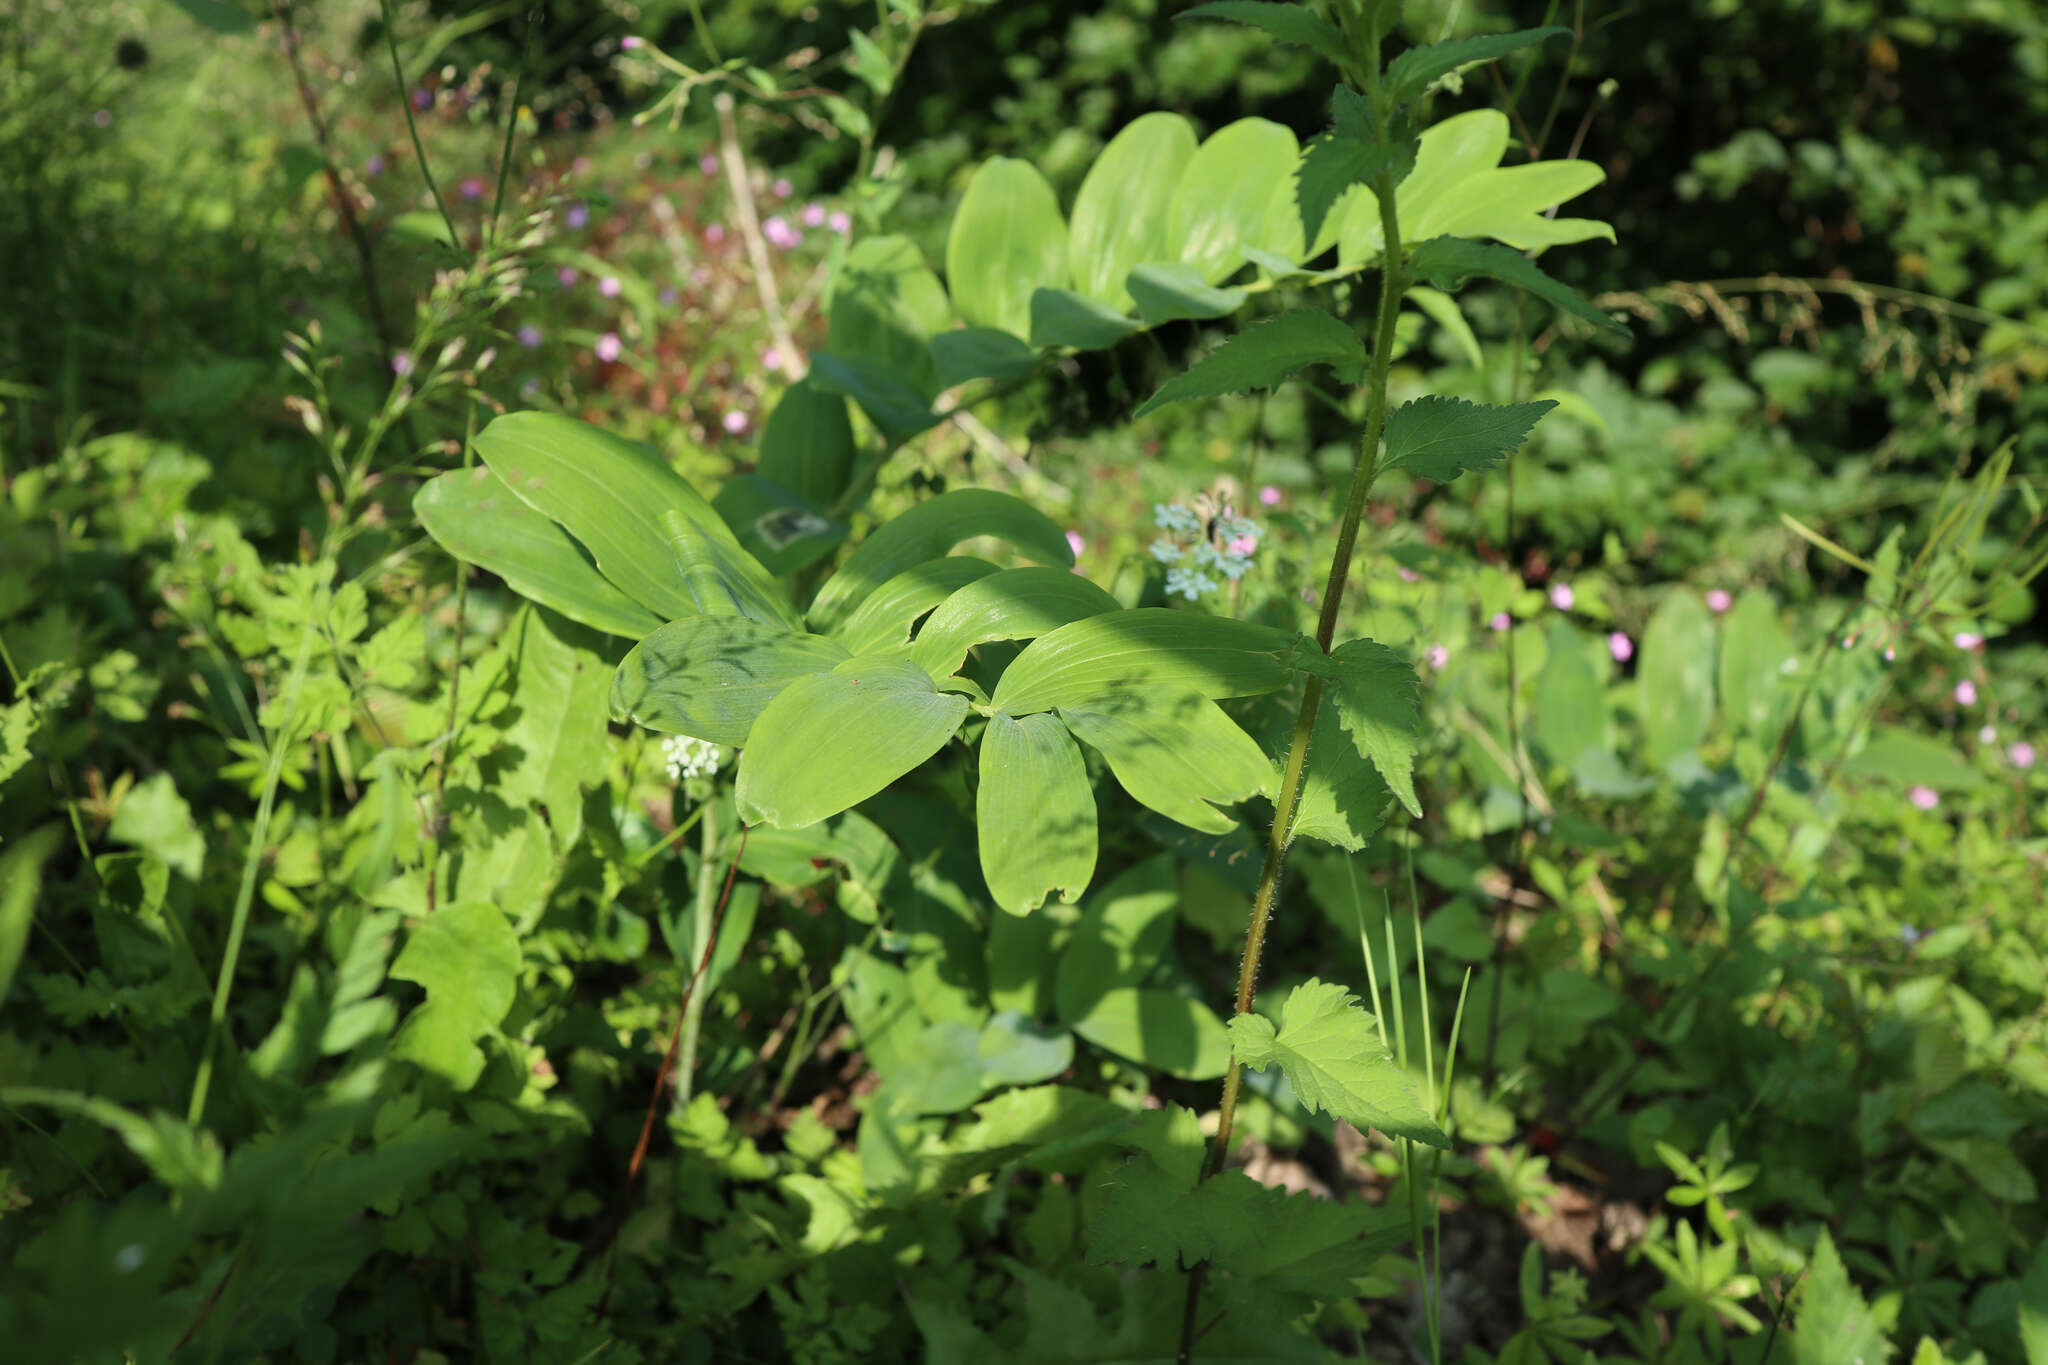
(1439, 438)
(887, 306)
(1569, 710)
(1227, 195)
(467, 958)
(1174, 751)
(1015, 604)
(882, 624)
(1119, 220)
(1060, 317)
(1262, 357)
(1416, 69)
(647, 529)
(831, 740)
(21, 878)
(928, 531)
(1377, 697)
(1350, 153)
(1833, 1323)
(1343, 796)
(1035, 812)
(1117, 653)
(476, 518)
(156, 819)
(710, 676)
(1169, 292)
(1008, 240)
(807, 446)
(1332, 1054)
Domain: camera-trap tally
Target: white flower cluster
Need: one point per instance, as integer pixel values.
(1193, 550)
(689, 758)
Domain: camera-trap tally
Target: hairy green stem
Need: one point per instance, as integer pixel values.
(1364, 472)
(703, 918)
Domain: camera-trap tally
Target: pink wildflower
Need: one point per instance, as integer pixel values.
(1621, 647)
(708, 164)
(609, 286)
(813, 215)
(714, 234)
(840, 222)
(1075, 543)
(1438, 656)
(1718, 600)
(472, 187)
(1562, 597)
(1501, 621)
(734, 422)
(2020, 754)
(566, 275)
(1269, 496)
(1966, 693)
(609, 347)
(630, 41)
(1925, 798)
(1243, 545)
(1969, 640)
(771, 359)
(781, 189)
(1407, 574)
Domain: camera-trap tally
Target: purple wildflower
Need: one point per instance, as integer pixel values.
(840, 222)
(609, 347)
(609, 286)
(530, 336)
(813, 215)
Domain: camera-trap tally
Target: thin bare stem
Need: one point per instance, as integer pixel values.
(750, 230)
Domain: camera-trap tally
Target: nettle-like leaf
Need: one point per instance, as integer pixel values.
(1350, 153)
(1416, 69)
(832, 740)
(1439, 438)
(1343, 798)
(1378, 700)
(1331, 1052)
(1262, 356)
(1287, 22)
(1449, 262)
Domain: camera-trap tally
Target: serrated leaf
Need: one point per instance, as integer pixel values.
(1448, 262)
(831, 740)
(1378, 699)
(1439, 438)
(466, 957)
(1035, 813)
(1343, 797)
(1414, 70)
(1331, 165)
(1332, 1055)
(1834, 1323)
(1263, 356)
(1146, 648)
(1286, 22)
(709, 677)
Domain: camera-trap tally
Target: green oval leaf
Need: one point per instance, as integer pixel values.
(709, 677)
(886, 306)
(1150, 648)
(882, 624)
(1159, 1029)
(1754, 653)
(475, 518)
(831, 740)
(807, 446)
(1121, 938)
(1016, 604)
(1060, 317)
(1174, 752)
(1226, 193)
(928, 531)
(981, 353)
(1169, 292)
(634, 514)
(1035, 812)
(1120, 214)
(1007, 240)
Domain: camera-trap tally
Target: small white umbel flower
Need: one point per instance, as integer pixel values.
(688, 758)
